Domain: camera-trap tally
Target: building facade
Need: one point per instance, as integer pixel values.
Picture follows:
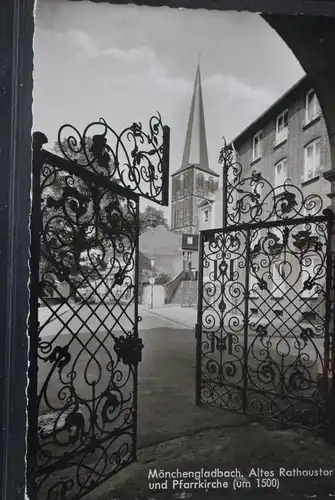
(194, 181)
(287, 144)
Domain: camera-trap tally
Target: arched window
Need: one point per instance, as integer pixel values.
(210, 185)
(173, 188)
(200, 184)
(177, 187)
(181, 185)
(179, 215)
(174, 222)
(186, 213)
(186, 184)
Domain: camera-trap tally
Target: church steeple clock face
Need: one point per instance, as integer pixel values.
(194, 180)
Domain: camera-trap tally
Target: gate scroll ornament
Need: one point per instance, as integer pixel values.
(264, 329)
(84, 344)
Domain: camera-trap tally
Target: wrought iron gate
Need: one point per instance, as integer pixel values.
(84, 343)
(264, 330)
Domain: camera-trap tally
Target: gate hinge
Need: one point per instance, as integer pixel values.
(128, 350)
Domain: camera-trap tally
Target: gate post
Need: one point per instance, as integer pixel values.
(16, 17)
(198, 326)
(330, 176)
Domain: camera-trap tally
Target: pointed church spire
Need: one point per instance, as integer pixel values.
(195, 149)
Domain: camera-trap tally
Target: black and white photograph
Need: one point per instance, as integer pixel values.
(181, 328)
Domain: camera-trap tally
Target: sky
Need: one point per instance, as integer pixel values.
(125, 62)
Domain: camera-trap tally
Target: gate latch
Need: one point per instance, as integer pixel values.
(128, 350)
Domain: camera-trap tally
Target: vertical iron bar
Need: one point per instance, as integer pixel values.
(328, 362)
(198, 326)
(246, 322)
(166, 165)
(33, 323)
(137, 225)
(225, 192)
(224, 225)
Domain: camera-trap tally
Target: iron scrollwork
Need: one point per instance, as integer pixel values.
(265, 303)
(137, 160)
(252, 198)
(86, 227)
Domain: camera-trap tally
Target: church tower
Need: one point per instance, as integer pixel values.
(194, 181)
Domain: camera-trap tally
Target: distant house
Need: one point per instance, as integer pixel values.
(164, 247)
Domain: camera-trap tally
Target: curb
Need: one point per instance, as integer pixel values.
(178, 323)
(59, 315)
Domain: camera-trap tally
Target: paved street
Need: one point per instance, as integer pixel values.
(166, 388)
(166, 374)
(172, 431)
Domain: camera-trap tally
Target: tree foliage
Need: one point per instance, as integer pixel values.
(79, 244)
(152, 217)
(86, 224)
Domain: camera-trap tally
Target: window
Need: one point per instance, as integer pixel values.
(178, 187)
(282, 127)
(257, 146)
(201, 184)
(210, 185)
(312, 164)
(190, 240)
(187, 261)
(179, 216)
(186, 184)
(206, 215)
(312, 107)
(186, 221)
(280, 173)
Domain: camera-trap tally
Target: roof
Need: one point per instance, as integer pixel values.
(195, 148)
(198, 167)
(279, 105)
(203, 203)
(159, 227)
(144, 261)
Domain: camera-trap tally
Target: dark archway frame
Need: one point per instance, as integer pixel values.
(16, 31)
